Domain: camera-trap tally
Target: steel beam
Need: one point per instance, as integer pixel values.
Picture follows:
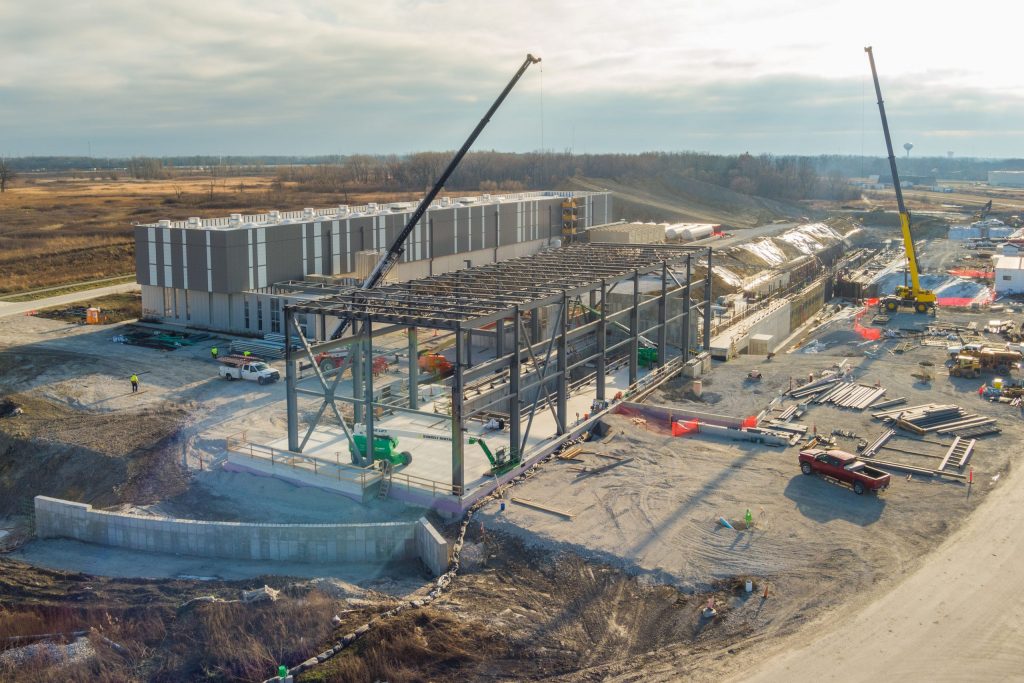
(634, 330)
(514, 426)
(291, 399)
(662, 316)
(602, 341)
(414, 368)
(707, 304)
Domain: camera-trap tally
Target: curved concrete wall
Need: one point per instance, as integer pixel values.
(314, 543)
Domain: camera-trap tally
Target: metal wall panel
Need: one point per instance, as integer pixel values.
(141, 235)
(196, 254)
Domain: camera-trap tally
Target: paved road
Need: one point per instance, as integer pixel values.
(960, 617)
(20, 308)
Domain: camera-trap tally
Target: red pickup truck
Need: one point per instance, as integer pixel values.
(844, 467)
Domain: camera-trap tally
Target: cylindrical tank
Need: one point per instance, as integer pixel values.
(696, 232)
(672, 231)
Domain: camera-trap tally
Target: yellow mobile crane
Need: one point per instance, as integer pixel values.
(922, 300)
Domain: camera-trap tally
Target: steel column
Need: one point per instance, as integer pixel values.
(368, 393)
(707, 304)
(357, 379)
(458, 454)
(602, 341)
(291, 398)
(414, 367)
(634, 330)
(514, 425)
(499, 338)
(562, 388)
(662, 317)
(687, 310)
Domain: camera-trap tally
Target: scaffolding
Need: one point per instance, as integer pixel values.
(550, 323)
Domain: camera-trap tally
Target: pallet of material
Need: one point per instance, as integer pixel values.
(787, 414)
(943, 419)
(813, 388)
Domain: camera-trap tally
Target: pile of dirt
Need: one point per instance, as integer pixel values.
(99, 458)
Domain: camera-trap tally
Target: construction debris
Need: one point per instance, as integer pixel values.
(260, 595)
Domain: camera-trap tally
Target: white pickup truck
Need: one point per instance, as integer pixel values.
(257, 371)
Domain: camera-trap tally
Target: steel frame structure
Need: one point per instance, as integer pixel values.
(517, 293)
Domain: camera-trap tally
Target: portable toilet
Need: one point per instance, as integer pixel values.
(92, 316)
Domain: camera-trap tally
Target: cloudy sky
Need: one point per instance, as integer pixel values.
(164, 77)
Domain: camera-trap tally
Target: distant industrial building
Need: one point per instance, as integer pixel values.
(220, 273)
(1006, 178)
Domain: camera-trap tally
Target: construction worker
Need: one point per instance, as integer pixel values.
(213, 352)
(134, 379)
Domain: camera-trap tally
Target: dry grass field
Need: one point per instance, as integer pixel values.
(56, 230)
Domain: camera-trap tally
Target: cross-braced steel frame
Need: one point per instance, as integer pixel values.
(536, 372)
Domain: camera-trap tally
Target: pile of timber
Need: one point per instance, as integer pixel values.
(941, 419)
(851, 395)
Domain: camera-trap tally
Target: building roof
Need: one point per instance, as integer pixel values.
(237, 221)
(1010, 263)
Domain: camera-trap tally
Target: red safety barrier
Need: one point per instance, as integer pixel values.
(968, 272)
(682, 428)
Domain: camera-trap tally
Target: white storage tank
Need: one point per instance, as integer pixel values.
(696, 232)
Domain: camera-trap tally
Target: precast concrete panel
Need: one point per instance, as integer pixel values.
(284, 253)
(196, 255)
(142, 272)
(508, 231)
(443, 233)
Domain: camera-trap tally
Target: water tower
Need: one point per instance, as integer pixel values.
(908, 146)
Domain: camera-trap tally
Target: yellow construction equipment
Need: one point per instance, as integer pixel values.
(921, 300)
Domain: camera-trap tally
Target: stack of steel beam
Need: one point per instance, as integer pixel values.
(942, 419)
(851, 395)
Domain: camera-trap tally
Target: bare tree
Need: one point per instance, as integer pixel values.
(7, 174)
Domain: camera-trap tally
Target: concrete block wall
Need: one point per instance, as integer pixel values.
(432, 547)
(313, 543)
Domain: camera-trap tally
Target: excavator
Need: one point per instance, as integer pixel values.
(921, 300)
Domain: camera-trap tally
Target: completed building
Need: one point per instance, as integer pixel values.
(210, 273)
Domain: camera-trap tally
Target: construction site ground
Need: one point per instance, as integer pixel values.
(614, 593)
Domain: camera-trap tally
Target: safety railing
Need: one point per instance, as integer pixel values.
(300, 461)
(436, 488)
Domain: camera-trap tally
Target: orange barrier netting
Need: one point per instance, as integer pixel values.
(967, 272)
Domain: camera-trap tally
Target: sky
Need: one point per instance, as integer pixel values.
(310, 77)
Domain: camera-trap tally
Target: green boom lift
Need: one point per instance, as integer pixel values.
(384, 448)
(501, 461)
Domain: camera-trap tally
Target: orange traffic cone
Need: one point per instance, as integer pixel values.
(765, 591)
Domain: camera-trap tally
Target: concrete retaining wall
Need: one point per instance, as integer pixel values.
(314, 543)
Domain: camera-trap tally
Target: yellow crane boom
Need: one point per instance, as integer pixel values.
(923, 300)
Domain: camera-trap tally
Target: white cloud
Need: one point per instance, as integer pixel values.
(72, 69)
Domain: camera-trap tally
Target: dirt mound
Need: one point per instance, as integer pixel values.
(98, 458)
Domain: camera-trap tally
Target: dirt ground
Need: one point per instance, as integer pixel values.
(818, 546)
(114, 308)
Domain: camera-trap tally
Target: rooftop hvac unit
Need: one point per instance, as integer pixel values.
(445, 201)
(372, 206)
(274, 216)
(195, 222)
(165, 224)
(308, 213)
(468, 200)
(235, 219)
(343, 209)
